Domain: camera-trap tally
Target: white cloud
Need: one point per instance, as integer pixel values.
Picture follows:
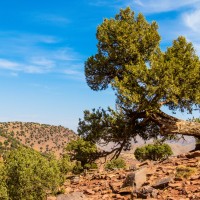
(42, 61)
(157, 6)
(28, 53)
(21, 67)
(71, 72)
(9, 65)
(148, 6)
(74, 72)
(192, 20)
(66, 54)
(52, 19)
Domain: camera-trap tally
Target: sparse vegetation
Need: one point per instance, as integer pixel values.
(37, 136)
(184, 172)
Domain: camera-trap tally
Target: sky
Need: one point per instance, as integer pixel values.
(44, 44)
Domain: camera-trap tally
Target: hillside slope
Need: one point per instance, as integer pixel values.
(41, 137)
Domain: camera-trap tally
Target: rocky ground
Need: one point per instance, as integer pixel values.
(177, 178)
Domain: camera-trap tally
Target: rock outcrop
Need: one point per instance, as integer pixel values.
(148, 180)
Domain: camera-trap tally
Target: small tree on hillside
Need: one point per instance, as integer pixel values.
(82, 151)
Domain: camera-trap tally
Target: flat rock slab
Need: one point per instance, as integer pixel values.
(162, 183)
(72, 196)
(194, 154)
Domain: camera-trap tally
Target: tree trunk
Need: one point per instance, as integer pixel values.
(172, 125)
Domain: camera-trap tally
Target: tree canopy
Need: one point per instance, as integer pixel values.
(144, 77)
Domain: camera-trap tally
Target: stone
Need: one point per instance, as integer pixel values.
(89, 191)
(175, 185)
(136, 179)
(194, 154)
(147, 192)
(140, 177)
(75, 180)
(197, 177)
(145, 163)
(128, 189)
(72, 196)
(115, 186)
(162, 183)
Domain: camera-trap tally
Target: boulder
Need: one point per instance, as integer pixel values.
(147, 192)
(134, 180)
(163, 182)
(194, 154)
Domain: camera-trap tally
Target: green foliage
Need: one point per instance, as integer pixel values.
(90, 166)
(145, 78)
(153, 152)
(3, 186)
(130, 59)
(78, 168)
(82, 151)
(112, 126)
(30, 175)
(65, 164)
(184, 172)
(118, 163)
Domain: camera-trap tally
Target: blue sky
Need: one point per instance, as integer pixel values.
(44, 44)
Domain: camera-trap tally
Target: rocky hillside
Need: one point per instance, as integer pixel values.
(177, 178)
(41, 137)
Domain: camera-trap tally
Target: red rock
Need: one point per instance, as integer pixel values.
(194, 154)
(89, 191)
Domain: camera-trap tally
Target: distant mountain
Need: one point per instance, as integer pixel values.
(41, 137)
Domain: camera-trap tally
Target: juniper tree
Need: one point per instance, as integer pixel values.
(145, 79)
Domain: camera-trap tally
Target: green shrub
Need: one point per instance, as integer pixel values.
(30, 175)
(155, 151)
(3, 186)
(65, 164)
(78, 168)
(83, 151)
(90, 166)
(115, 163)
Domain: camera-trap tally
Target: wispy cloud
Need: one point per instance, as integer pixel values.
(22, 67)
(117, 3)
(29, 53)
(157, 6)
(9, 65)
(52, 19)
(147, 6)
(74, 72)
(191, 20)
